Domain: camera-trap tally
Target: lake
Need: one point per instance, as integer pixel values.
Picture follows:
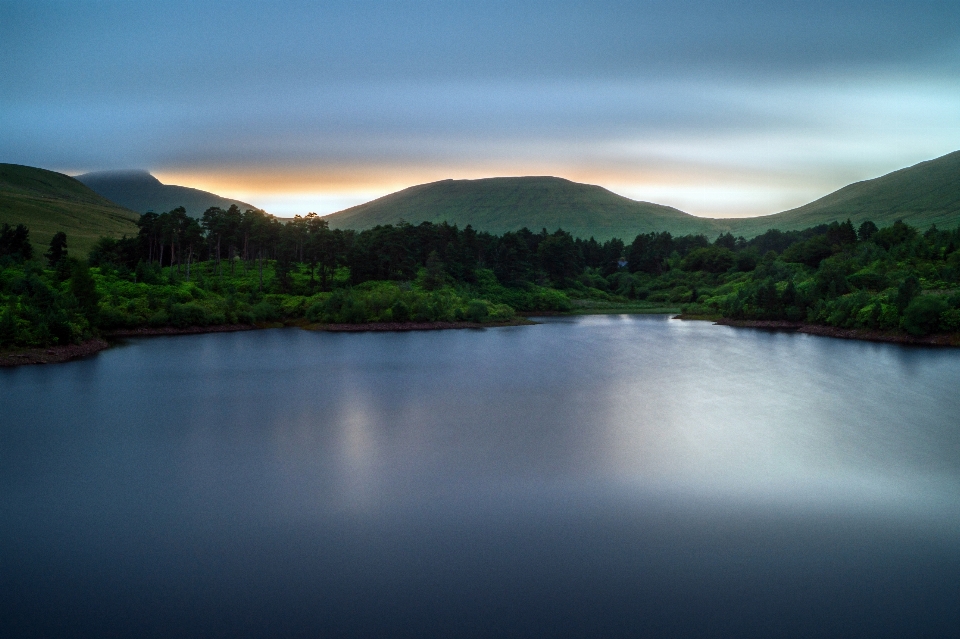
(601, 475)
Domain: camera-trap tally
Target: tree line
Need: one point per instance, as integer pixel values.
(233, 266)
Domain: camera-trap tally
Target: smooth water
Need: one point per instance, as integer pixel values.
(607, 476)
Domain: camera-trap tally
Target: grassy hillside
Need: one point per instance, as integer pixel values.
(498, 205)
(47, 202)
(141, 192)
(921, 195)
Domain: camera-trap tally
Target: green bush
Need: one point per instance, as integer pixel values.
(354, 311)
(160, 318)
(400, 312)
(500, 313)
(265, 311)
(550, 300)
(713, 259)
(190, 314)
(477, 311)
(112, 318)
(950, 320)
(922, 315)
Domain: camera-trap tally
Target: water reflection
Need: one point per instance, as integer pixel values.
(598, 461)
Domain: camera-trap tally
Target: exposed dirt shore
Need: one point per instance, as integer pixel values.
(892, 337)
(52, 354)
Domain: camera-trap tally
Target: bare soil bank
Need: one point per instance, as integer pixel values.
(893, 337)
(52, 354)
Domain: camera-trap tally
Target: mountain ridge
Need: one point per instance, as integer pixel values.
(502, 204)
(48, 202)
(140, 191)
(923, 194)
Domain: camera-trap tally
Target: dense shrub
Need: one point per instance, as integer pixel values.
(891, 279)
(922, 315)
(265, 311)
(713, 259)
(190, 314)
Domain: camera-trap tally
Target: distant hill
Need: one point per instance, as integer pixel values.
(141, 192)
(505, 204)
(48, 202)
(107, 203)
(921, 195)
(924, 194)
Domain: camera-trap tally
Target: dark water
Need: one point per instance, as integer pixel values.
(601, 476)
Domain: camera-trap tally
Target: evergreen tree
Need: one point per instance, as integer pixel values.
(84, 290)
(15, 242)
(57, 250)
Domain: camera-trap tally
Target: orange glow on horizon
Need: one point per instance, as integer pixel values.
(737, 193)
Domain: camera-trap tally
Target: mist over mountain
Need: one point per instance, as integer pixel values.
(141, 192)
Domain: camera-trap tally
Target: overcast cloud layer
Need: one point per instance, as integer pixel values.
(718, 108)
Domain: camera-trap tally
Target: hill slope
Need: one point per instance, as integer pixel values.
(141, 192)
(498, 205)
(921, 195)
(48, 202)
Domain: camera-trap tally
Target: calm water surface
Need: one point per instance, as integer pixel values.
(605, 476)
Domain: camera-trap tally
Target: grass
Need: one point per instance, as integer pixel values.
(921, 195)
(498, 205)
(47, 202)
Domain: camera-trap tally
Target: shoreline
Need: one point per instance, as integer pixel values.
(53, 354)
(65, 353)
(411, 326)
(149, 331)
(669, 310)
(862, 334)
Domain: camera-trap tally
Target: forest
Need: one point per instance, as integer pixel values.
(248, 267)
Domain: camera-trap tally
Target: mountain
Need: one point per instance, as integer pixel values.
(505, 204)
(921, 195)
(141, 192)
(103, 203)
(47, 202)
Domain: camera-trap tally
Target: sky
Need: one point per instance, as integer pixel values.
(717, 108)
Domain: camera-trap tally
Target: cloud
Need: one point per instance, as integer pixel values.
(774, 101)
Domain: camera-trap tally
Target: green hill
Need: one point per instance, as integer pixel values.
(505, 204)
(47, 202)
(141, 192)
(921, 195)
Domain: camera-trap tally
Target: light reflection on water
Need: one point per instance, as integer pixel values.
(541, 455)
